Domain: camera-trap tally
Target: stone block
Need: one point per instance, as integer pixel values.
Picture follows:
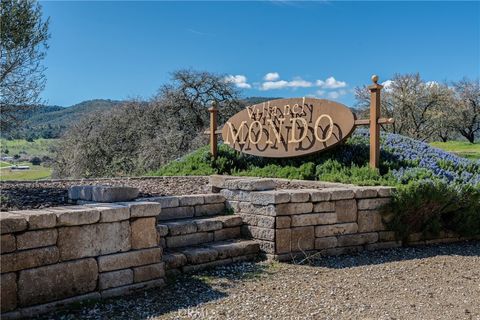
(80, 193)
(162, 230)
(235, 195)
(114, 193)
(325, 243)
(335, 229)
(327, 218)
(373, 204)
(174, 260)
(8, 243)
(385, 191)
(38, 219)
(320, 195)
(370, 220)
(283, 222)
(200, 255)
(231, 221)
(293, 208)
(233, 205)
(268, 210)
(299, 195)
(204, 225)
(258, 233)
(76, 215)
(10, 223)
(346, 210)
(283, 239)
(325, 206)
(218, 181)
(266, 246)
(115, 279)
(176, 213)
(36, 239)
(357, 239)
(386, 236)
(165, 202)
(57, 281)
(227, 233)
(211, 264)
(93, 240)
(149, 272)
(140, 209)
(131, 288)
(162, 243)
(189, 239)
(191, 200)
(365, 192)
(180, 227)
(144, 233)
(269, 197)
(340, 193)
(229, 249)
(250, 184)
(314, 219)
(258, 221)
(303, 238)
(213, 198)
(129, 259)
(112, 212)
(8, 292)
(209, 209)
(27, 259)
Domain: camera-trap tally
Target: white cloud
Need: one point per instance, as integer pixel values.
(271, 76)
(336, 94)
(320, 93)
(331, 83)
(239, 80)
(281, 84)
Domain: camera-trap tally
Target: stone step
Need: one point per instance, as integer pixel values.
(187, 232)
(189, 206)
(189, 259)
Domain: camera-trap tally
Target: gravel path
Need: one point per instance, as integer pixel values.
(436, 282)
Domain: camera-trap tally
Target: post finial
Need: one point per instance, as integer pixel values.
(375, 78)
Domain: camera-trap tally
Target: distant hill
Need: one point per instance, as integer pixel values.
(51, 121)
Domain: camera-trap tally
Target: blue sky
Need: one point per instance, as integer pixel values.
(119, 50)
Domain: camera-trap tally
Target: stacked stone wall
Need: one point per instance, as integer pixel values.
(54, 257)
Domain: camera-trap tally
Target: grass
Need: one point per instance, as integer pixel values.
(39, 147)
(463, 149)
(4, 164)
(35, 173)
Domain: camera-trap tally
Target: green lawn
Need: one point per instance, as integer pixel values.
(461, 148)
(39, 147)
(35, 173)
(4, 164)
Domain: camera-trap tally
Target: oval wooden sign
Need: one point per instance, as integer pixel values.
(288, 127)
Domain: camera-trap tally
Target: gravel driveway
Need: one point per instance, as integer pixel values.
(436, 282)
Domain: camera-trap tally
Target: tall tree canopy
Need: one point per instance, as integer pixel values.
(24, 35)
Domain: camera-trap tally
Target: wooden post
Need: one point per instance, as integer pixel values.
(213, 128)
(374, 125)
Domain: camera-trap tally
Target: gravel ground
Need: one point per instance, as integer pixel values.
(42, 194)
(435, 282)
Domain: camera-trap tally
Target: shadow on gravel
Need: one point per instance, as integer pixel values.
(179, 298)
(466, 248)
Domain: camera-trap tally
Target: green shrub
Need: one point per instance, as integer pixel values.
(431, 206)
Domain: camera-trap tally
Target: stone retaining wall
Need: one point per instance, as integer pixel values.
(53, 257)
(296, 223)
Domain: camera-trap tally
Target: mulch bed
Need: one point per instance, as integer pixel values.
(49, 193)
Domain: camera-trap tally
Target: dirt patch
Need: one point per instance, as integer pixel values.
(435, 282)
